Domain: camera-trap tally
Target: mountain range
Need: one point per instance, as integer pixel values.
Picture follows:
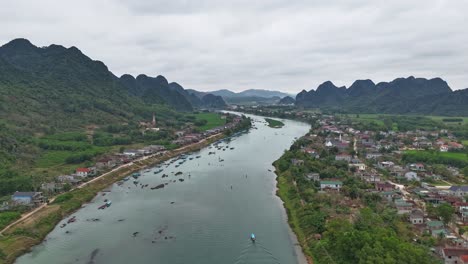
(251, 96)
(40, 83)
(401, 96)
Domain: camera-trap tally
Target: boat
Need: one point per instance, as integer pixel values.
(136, 175)
(102, 207)
(71, 220)
(63, 225)
(158, 171)
(108, 203)
(198, 157)
(252, 237)
(126, 178)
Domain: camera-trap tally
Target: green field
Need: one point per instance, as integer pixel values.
(435, 157)
(8, 217)
(465, 142)
(212, 120)
(274, 123)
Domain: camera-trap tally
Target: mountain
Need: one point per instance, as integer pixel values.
(250, 93)
(287, 100)
(156, 90)
(213, 101)
(401, 96)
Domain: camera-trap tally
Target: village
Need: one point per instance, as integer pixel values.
(28, 200)
(431, 197)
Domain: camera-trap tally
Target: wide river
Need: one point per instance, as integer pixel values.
(205, 219)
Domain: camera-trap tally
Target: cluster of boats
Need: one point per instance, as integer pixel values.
(107, 203)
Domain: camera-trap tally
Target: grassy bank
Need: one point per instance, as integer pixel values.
(290, 204)
(274, 123)
(21, 237)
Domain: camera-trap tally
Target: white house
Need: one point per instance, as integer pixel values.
(331, 184)
(412, 176)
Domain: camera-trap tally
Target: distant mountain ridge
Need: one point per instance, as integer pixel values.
(401, 96)
(250, 93)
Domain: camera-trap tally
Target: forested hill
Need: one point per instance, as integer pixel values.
(400, 96)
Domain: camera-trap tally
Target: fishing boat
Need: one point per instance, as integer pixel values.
(198, 157)
(71, 220)
(126, 178)
(108, 203)
(136, 175)
(252, 237)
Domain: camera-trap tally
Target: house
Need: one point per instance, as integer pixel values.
(455, 255)
(444, 148)
(68, 179)
(330, 184)
(384, 186)
(416, 217)
(412, 176)
(385, 164)
(27, 198)
(373, 155)
(51, 187)
(130, 153)
(403, 207)
(106, 163)
(359, 166)
(82, 172)
(343, 157)
(460, 191)
(313, 176)
(416, 167)
(434, 225)
(297, 162)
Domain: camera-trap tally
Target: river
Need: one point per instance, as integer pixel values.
(200, 220)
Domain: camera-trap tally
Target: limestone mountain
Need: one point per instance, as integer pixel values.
(401, 96)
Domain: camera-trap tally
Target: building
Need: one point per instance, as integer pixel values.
(82, 172)
(384, 187)
(297, 162)
(460, 191)
(343, 157)
(373, 155)
(358, 166)
(313, 176)
(412, 176)
(27, 198)
(455, 255)
(416, 217)
(330, 184)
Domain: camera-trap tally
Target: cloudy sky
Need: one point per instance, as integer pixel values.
(237, 45)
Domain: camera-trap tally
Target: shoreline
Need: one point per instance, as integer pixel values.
(39, 219)
(299, 248)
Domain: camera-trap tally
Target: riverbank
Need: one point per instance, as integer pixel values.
(19, 237)
(297, 235)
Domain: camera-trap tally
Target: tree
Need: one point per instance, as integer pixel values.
(445, 211)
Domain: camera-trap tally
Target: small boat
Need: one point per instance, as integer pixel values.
(136, 175)
(126, 178)
(71, 220)
(108, 203)
(63, 225)
(252, 237)
(198, 157)
(102, 207)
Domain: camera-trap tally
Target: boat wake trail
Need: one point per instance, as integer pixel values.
(256, 253)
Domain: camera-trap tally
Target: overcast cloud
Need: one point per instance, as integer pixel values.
(237, 45)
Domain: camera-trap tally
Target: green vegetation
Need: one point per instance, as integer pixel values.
(207, 121)
(8, 217)
(352, 226)
(457, 159)
(274, 123)
(465, 142)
